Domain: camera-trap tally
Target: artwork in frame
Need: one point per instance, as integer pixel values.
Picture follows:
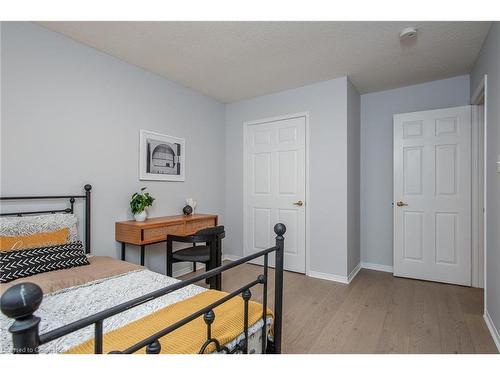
(161, 157)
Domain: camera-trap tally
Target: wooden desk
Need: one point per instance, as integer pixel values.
(156, 229)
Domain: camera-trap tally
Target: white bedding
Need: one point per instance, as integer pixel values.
(71, 304)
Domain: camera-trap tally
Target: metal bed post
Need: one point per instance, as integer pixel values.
(264, 306)
(98, 337)
(20, 302)
(87, 217)
(246, 295)
(280, 230)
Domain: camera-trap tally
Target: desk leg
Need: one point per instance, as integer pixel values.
(142, 254)
(123, 250)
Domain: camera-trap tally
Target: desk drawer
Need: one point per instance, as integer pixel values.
(160, 233)
(193, 226)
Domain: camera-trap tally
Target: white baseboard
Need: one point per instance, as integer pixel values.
(317, 275)
(187, 269)
(493, 330)
(377, 267)
(230, 257)
(181, 272)
(353, 273)
(328, 276)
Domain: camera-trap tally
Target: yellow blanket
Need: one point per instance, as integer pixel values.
(188, 339)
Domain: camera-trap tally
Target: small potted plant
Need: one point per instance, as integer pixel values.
(139, 203)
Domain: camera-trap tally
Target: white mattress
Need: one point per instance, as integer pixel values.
(71, 304)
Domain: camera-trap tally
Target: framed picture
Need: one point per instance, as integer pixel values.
(161, 157)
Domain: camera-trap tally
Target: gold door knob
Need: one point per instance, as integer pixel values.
(401, 204)
(299, 203)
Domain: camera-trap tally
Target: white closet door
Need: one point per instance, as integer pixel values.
(275, 187)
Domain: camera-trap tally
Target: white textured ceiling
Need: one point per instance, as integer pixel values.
(231, 61)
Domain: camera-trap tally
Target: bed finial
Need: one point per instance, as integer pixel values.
(280, 229)
(20, 302)
(87, 187)
(153, 348)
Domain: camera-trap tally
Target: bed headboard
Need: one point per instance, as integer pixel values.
(68, 210)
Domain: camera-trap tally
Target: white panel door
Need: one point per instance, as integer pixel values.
(275, 187)
(432, 195)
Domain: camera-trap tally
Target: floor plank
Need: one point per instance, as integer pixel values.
(376, 313)
(395, 335)
(425, 334)
(367, 328)
(452, 323)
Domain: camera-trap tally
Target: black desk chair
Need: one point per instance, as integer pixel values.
(209, 253)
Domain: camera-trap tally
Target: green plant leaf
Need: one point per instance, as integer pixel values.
(140, 201)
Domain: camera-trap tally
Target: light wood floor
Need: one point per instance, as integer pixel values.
(376, 313)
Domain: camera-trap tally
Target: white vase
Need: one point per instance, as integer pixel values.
(141, 216)
(191, 202)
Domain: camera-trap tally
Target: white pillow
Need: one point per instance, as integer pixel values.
(26, 225)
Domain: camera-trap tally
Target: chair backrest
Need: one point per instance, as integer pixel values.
(217, 231)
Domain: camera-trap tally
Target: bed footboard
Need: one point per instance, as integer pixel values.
(21, 301)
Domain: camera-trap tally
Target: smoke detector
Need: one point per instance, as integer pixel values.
(408, 33)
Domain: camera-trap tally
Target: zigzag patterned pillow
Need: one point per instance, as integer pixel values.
(28, 262)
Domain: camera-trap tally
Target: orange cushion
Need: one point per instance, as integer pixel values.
(58, 237)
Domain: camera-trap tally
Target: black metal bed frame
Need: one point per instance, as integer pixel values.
(21, 301)
(68, 210)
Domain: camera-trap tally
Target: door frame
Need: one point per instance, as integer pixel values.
(480, 92)
(246, 126)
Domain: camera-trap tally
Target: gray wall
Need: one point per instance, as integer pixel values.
(489, 63)
(377, 110)
(326, 103)
(71, 115)
(353, 177)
